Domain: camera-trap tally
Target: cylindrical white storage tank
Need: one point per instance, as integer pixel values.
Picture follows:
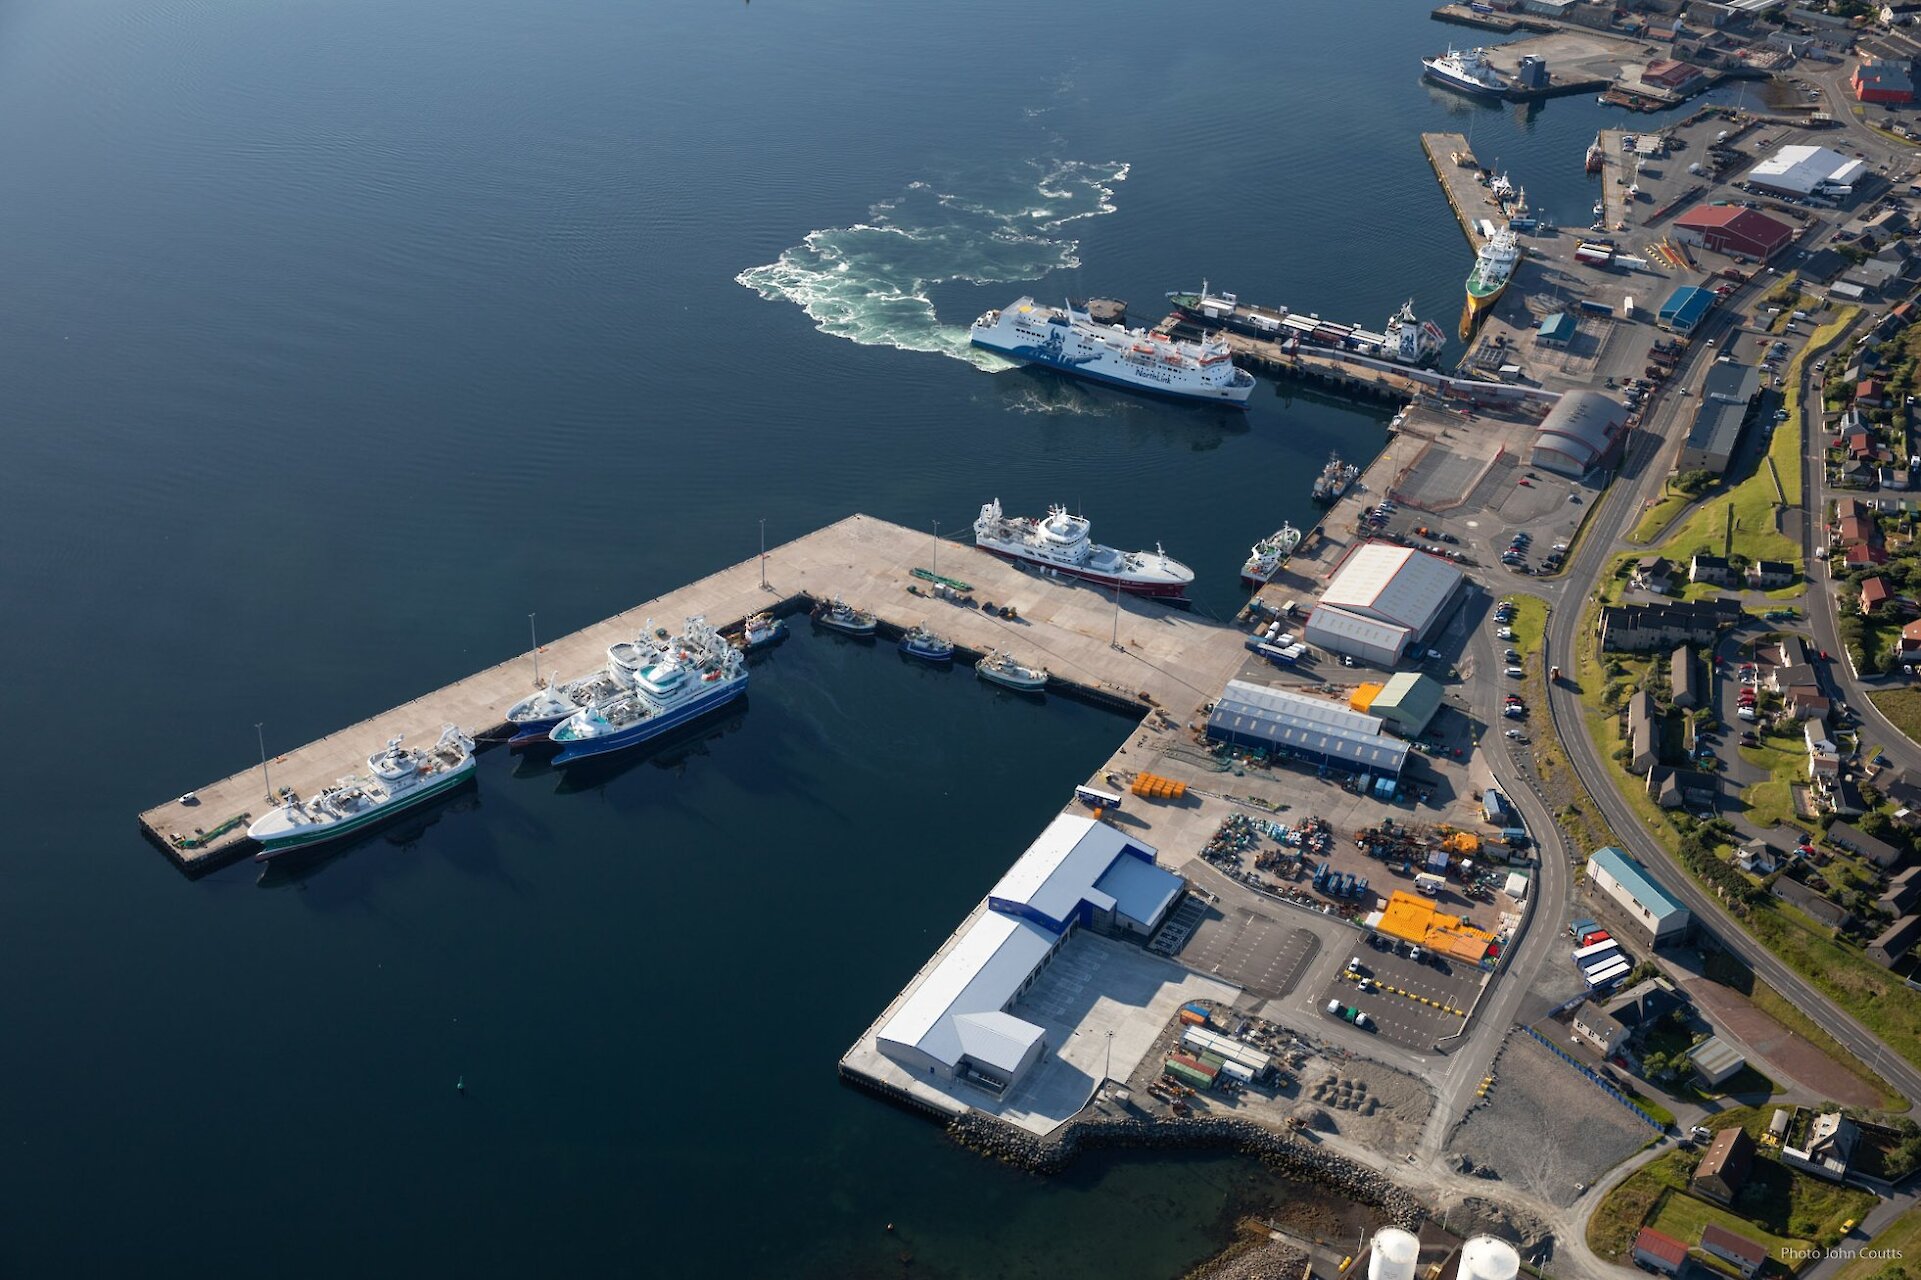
(1486, 1258)
(1393, 1255)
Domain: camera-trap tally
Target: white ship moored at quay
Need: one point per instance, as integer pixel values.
(1070, 341)
(1060, 545)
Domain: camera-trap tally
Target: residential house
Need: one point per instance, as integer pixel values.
(1824, 768)
(1766, 575)
(1871, 392)
(1862, 528)
(1858, 441)
(1643, 732)
(1723, 1170)
(1903, 891)
(1653, 573)
(1657, 1251)
(1805, 703)
(1800, 675)
(1856, 474)
(1637, 628)
(1611, 1025)
(1844, 799)
(1895, 942)
(1827, 1149)
(1903, 788)
(1911, 643)
(1682, 788)
(1684, 679)
(1710, 569)
(1791, 651)
(1756, 857)
(1846, 835)
(1745, 1255)
(1814, 732)
(1875, 592)
(1815, 906)
(1862, 556)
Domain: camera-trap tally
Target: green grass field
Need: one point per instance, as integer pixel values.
(1657, 517)
(1899, 1239)
(1779, 1207)
(1903, 707)
(1786, 760)
(1529, 624)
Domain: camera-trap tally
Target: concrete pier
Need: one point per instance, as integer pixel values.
(1460, 174)
(1165, 658)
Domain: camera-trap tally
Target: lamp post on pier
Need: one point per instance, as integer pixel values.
(936, 569)
(763, 553)
(533, 638)
(260, 736)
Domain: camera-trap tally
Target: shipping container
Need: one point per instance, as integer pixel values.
(1193, 1018)
(1201, 1040)
(1596, 307)
(1193, 1063)
(1193, 1077)
(1584, 954)
(1235, 1071)
(1213, 1061)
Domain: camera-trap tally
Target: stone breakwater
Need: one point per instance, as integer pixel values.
(1267, 1260)
(1296, 1159)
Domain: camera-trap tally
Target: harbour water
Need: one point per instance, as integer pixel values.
(337, 339)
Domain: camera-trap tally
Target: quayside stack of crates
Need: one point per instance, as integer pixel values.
(1152, 786)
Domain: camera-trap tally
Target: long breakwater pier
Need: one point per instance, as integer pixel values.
(1124, 652)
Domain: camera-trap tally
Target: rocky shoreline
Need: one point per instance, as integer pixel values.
(1296, 1159)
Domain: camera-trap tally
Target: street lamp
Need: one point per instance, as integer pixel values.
(261, 737)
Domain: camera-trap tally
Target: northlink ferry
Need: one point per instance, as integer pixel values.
(1068, 340)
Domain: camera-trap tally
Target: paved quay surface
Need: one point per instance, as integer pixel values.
(1177, 659)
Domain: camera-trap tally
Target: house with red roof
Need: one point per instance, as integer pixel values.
(1747, 1256)
(1660, 1251)
(1875, 592)
(1871, 393)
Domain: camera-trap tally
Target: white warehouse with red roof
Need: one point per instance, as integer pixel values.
(1382, 601)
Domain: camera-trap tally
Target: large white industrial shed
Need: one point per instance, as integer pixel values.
(1291, 724)
(1629, 884)
(1382, 599)
(955, 1020)
(1802, 170)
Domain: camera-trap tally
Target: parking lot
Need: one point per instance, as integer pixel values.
(1265, 955)
(1412, 1003)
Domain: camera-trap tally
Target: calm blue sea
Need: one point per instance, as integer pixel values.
(335, 338)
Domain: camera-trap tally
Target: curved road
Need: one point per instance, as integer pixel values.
(1615, 509)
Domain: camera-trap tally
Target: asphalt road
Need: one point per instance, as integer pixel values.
(1640, 476)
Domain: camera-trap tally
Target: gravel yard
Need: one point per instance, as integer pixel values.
(1543, 1128)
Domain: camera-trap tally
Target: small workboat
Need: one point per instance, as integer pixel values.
(925, 645)
(1004, 670)
(762, 631)
(845, 618)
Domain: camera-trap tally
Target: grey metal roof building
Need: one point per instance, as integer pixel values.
(1311, 729)
(1719, 416)
(1579, 433)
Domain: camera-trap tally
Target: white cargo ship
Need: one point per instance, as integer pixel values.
(1060, 545)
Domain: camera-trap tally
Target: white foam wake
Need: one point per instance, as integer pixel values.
(869, 282)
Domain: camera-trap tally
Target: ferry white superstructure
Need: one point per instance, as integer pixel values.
(1060, 545)
(1466, 71)
(1068, 340)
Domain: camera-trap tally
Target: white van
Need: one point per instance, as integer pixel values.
(1800, 315)
(1516, 672)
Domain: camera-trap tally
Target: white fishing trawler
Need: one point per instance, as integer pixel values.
(688, 675)
(1334, 479)
(1011, 673)
(1268, 554)
(1465, 71)
(1070, 341)
(399, 779)
(1060, 545)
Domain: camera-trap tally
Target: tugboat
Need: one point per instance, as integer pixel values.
(1595, 156)
(762, 631)
(925, 645)
(1334, 479)
(1268, 554)
(401, 778)
(844, 618)
(1002, 669)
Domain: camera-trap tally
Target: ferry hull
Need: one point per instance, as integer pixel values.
(1235, 397)
(648, 729)
(313, 837)
(1467, 88)
(1133, 586)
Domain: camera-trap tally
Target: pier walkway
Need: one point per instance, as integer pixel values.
(1166, 657)
(1460, 175)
